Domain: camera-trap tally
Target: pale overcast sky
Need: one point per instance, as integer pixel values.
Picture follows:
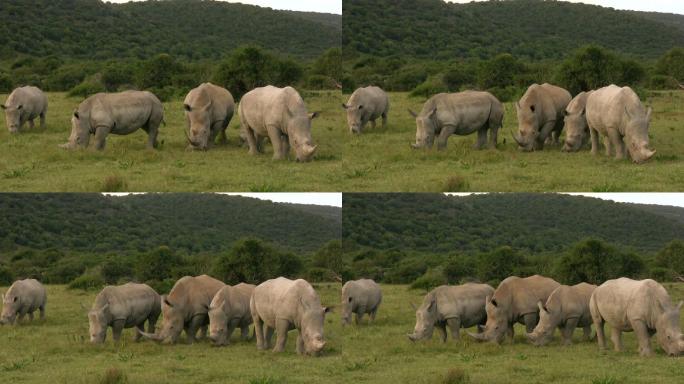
(666, 6)
(325, 6)
(331, 199)
(673, 199)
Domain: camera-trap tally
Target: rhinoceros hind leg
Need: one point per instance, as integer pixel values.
(268, 336)
(259, 332)
(616, 338)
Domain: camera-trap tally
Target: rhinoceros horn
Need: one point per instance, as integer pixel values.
(412, 337)
(517, 138)
(147, 335)
(477, 336)
(194, 144)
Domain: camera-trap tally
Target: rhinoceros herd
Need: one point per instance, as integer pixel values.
(543, 112)
(208, 306)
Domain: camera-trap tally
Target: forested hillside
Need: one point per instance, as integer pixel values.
(189, 29)
(187, 223)
(527, 29)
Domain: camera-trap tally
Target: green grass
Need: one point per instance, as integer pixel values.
(385, 162)
(57, 350)
(32, 161)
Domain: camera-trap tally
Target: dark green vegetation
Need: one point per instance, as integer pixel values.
(57, 350)
(432, 239)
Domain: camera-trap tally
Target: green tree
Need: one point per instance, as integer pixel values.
(330, 257)
(499, 72)
(157, 264)
(672, 257)
(595, 261)
(157, 72)
(672, 64)
(253, 261)
(329, 64)
(499, 264)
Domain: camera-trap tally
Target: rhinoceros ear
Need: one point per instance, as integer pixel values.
(3, 106)
(412, 113)
(20, 107)
(584, 112)
(649, 111)
(167, 302)
(187, 107)
(350, 299)
(679, 306)
(432, 305)
(533, 108)
(345, 106)
(76, 115)
(328, 309)
(432, 113)
(360, 107)
(517, 105)
(313, 115)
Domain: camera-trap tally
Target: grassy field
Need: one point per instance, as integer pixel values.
(382, 160)
(33, 162)
(57, 351)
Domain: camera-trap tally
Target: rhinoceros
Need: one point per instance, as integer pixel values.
(25, 104)
(366, 105)
(22, 298)
(566, 308)
(462, 113)
(115, 113)
(618, 115)
(540, 116)
(229, 309)
(282, 305)
(641, 306)
(576, 127)
(208, 109)
(514, 301)
(279, 114)
(124, 306)
(186, 307)
(360, 297)
(460, 306)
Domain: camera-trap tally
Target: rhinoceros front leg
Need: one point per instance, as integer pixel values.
(244, 332)
(117, 329)
(617, 143)
(643, 337)
(481, 138)
(30, 315)
(568, 330)
(455, 328)
(232, 324)
(274, 134)
(300, 344)
(444, 136)
(195, 325)
(360, 311)
(42, 120)
(441, 328)
(282, 326)
(531, 320)
(384, 120)
(101, 134)
(32, 124)
(587, 333)
(594, 141)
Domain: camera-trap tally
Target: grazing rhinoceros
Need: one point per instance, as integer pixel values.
(515, 301)
(566, 308)
(360, 297)
(208, 109)
(460, 306)
(124, 306)
(22, 298)
(364, 105)
(540, 116)
(186, 307)
(25, 104)
(640, 306)
(229, 309)
(618, 115)
(460, 114)
(282, 305)
(279, 114)
(576, 128)
(115, 113)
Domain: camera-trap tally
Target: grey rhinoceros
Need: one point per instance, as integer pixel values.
(641, 306)
(281, 305)
(25, 104)
(124, 306)
(229, 309)
(208, 110)
(23, 298)
(360, 297)
(575, 123)
(281, 115)
(366, 105)
(618, 115)
(540, 116)
(462, 114)
(460, 306)
(515, 301)
(115, 113)
(186, 307)
(566, 308)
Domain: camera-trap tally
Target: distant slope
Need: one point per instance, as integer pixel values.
(670, 19)
(189, 223)
(535, 223)
(192, 29)
(532, 29)
(673, 213)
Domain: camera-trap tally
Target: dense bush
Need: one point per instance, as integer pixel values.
(672, 64)
(87, 281)
(594, 261)
(433, 278)
(671, 257)
(157, 264)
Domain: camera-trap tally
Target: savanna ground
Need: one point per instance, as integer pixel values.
(381, 160)
(57, 350)
(32, 161)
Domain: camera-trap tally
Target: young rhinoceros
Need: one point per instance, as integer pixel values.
(229, 309)
(186, 308)
(640, 306)
(22, 298)
(282, 305)
(360, 297)
(460, 306)
(515, 301)
(124, 306)
(460, 114)
(25, 104)
(208, 109)
(576, 127)
(540, 116)
(279, 114)
(115, 113)
(567, 308)
(366, 105)
(618, 115)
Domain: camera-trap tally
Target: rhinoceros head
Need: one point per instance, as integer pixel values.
(311, 327)
(668, 331)
(199, 121)
(98, 321)
(528, 127)
(172, 325)
(426, 316)
(354, 114)
(496, 327)
(549, 318)
(10, 306)
(12, 117)
(576, 129)
(425, 129)
(299, 133)
(347, 304)
(636, 136)
(80, 132)
(218, 324)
